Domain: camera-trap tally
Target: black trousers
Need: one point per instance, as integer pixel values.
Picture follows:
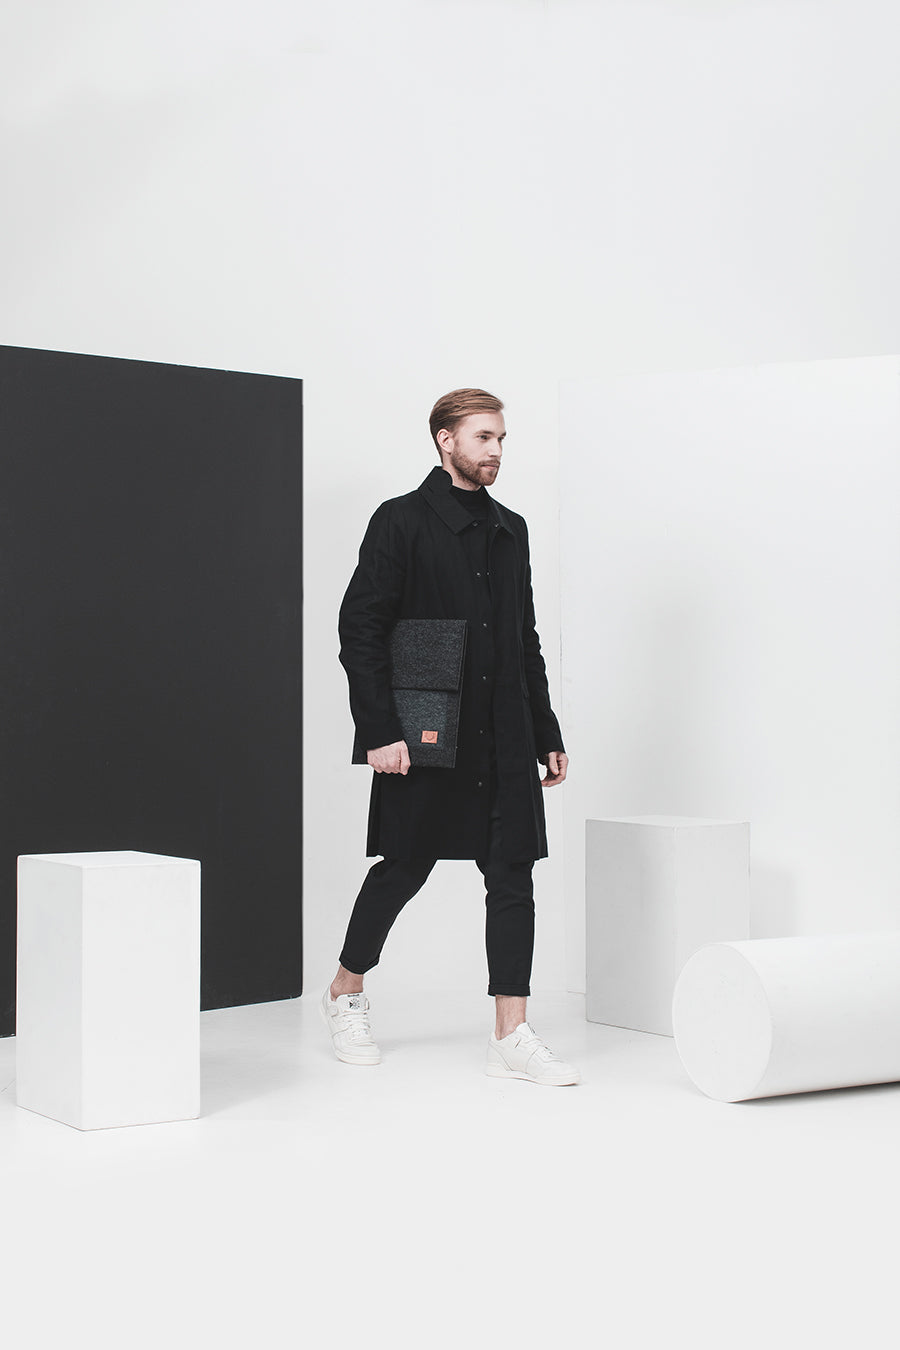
(509, 921)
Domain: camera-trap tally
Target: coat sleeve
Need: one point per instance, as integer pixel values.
(368, 613)
(547, 735)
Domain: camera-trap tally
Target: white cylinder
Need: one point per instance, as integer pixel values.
(769, 1016)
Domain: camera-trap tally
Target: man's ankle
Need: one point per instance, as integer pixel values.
(344, 989)
(509, 1013)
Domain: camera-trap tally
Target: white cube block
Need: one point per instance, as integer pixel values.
(108, 996)
(656, 889)
(798, 1014)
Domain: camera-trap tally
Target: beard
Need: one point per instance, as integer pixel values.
(472, 470)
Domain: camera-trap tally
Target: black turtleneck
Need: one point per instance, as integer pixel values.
(477, 503)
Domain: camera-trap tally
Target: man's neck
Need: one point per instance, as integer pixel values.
(464, 484)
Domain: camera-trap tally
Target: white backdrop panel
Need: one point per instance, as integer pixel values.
(730, 566)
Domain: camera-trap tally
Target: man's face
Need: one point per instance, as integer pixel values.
(472, 453)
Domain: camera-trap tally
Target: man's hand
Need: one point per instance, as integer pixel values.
(557, 763)
(390, 758)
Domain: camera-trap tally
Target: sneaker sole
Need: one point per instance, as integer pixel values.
(498, 1071)
(340, 1054)
(345, 1060)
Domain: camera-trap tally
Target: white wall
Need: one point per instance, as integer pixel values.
(736, 653)
(389, 200)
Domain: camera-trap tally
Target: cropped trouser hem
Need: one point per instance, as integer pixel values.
(509, 916)
(388, 886)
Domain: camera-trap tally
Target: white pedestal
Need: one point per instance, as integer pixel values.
(656, 889)
(777, 1015)
(108, 1001)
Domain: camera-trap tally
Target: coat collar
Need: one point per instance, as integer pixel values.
(436, 491)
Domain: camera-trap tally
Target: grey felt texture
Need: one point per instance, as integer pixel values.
(428, 653)
(427, 658)
(429, 710)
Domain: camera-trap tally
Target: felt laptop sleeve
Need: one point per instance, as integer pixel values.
(427, 658)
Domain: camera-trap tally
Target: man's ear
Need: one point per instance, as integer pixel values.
(444, 440)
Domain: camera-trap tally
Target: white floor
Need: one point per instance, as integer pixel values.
(421, 1203)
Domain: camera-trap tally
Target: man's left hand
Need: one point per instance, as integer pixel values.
(557, 762)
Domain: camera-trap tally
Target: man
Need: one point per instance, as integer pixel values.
(450, 551)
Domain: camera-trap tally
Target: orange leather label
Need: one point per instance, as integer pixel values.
(429, 738)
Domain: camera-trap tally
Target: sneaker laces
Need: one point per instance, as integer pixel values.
(537, 1046)
(355, 1021)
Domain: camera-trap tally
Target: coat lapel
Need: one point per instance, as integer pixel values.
(436, 491)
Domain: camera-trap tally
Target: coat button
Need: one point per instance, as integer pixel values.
(484, 677)
(484, 625)
(478, 574)
(480, 784)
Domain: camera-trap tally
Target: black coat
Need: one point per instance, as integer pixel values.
(425, 557)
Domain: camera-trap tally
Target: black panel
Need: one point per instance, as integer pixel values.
(150, 641)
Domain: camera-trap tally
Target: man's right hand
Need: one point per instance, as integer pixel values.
(390, 758)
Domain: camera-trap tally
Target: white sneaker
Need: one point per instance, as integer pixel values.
(347, 1018)
(522, 1054)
